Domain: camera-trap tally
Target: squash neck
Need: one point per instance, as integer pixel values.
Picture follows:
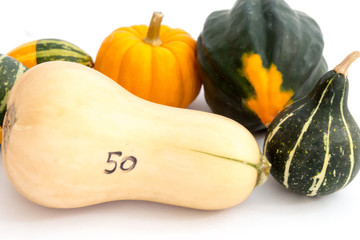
(153, 34)
(335, 82)
(331, 88)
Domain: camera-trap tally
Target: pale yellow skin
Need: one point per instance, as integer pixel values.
(64, 118)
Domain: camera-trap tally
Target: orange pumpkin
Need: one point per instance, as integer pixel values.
(154, 62)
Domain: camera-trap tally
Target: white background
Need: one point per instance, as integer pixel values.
(270, 212)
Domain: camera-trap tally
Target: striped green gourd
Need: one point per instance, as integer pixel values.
(10, 71)
(45, 50)
(313, 145)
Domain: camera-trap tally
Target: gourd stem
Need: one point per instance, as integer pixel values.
(263, 170)
(153, 34)
(345, 64)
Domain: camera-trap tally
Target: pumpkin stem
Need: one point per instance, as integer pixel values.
(153, 34)
(345, 64)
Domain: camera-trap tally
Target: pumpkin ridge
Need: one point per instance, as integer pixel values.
(136, 30)
(180, 93)
(167, 33)
(123, 66)
(173, 93)
(152, 65)
(189, 44)
(130, 34)
(187, 98)
(164, 31)
(181, 38)
(106, 53)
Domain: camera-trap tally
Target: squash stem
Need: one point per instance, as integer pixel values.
(263, 170)
(153, 34)
(346, 63)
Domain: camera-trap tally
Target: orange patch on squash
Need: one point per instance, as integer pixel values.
(26, 54)
(269, 98)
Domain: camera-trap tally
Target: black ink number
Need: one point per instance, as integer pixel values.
(128, 168)
(126, 164)
(109, 160)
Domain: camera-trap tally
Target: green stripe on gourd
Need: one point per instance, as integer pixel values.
(55, 49)
(313, 144)
(10, 71)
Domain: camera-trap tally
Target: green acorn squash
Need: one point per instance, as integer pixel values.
(314, 143)
(10, 71)
(258, 57)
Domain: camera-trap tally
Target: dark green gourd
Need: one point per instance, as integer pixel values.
(256, 58)
(314, 143)
(10, 71)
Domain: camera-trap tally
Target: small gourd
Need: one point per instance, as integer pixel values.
(48, 49)
(10, 71)
(73, 137)
(314, 143)
(154, 62)
(258, 57)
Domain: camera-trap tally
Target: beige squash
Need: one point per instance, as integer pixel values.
(73, 137)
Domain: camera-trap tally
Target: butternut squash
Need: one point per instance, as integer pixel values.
(73, 137)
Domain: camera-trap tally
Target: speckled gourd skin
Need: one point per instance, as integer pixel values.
(314, 144)
(10, 71)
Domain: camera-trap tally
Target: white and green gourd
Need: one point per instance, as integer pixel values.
(314, 143)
